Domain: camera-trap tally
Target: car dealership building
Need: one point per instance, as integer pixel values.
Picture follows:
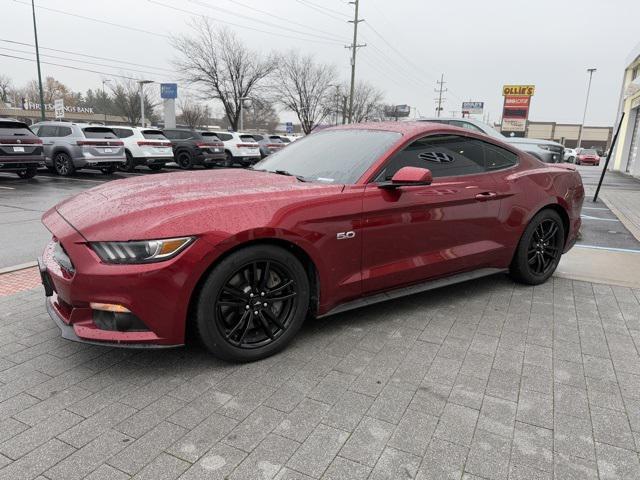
(626, 157)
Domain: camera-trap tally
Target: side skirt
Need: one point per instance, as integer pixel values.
(413, 289)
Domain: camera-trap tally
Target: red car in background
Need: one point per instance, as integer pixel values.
(588, 157)
(339, 219)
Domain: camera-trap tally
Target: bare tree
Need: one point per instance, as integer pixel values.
(261, 115)
(192, 114)
(366, 102)
(126, 101)
(303, 86)
(5, 87)
(52, 89)
(215, 60)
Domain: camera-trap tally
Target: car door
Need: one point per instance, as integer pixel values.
(48, 135)
(416, 233)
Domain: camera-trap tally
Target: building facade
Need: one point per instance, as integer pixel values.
(598, 138)
(626, 157)
(32, 115)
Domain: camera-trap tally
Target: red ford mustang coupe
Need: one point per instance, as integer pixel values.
(342, 218)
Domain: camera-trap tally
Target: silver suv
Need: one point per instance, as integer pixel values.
(71, 146)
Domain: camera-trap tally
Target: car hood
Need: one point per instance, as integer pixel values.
(183, 203)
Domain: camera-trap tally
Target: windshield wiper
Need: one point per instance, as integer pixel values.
(289, 174)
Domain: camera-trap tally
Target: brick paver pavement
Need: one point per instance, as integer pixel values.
(484, 380)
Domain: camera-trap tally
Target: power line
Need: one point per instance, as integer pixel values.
(198, 14)
(138, 64)
(321, 10)
(332, 38)
(61, 12)
(322, 7)
(75, 60)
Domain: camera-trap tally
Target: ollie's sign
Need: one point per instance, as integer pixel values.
(515, 112)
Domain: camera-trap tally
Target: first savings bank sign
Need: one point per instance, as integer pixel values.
(50, 106)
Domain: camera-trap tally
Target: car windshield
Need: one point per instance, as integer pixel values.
(334, 156)
(588, 152)
(15, 130)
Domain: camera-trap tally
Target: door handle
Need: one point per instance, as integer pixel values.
(484, 196)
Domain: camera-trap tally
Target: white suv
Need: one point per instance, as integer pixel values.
(240, 148)
(144, 146)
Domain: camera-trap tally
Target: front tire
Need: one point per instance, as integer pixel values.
(252, 304)
(27, 173)
(539, 250)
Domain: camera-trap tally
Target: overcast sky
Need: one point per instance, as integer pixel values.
(478, 45)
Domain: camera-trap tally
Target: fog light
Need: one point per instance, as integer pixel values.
(109, 307)
(119, 322)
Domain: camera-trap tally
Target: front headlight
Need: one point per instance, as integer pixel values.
(143, 251)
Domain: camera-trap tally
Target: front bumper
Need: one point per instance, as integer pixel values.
(158, 294)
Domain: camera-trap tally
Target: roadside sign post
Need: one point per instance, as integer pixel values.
(58, 107)
(289, 126)
(606, 163)
(169, 93)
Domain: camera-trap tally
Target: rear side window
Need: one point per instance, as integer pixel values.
(123, 132)
(224, 136)
(257, 138)
(247, 138)
(444, 155)
(209, 135)
(98, 132)
(275, 139)
(497, 158)
(153, 135)
(47, 131)
(63, 131)
(171, 134)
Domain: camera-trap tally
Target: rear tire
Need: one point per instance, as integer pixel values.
(184, 160)
(252, 304)
(63, 165)
(539, 250)
(27, 173)
(228, 162)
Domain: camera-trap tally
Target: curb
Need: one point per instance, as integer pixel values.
(629, 225)
(15, 268)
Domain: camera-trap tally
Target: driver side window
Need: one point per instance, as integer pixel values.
(444, 155)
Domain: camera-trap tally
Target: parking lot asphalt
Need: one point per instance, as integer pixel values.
(488, 379)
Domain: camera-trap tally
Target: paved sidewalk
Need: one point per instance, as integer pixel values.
(488, 379)
(625, 204)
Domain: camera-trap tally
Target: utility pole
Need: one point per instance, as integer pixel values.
(586, 103)
(142, 84)
(35, 34)
(354, 48)
(440, 90)
(104, 99)
(242, 99)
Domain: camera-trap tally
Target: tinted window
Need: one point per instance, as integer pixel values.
(285, 140)
(498, 157)
(224, 136)
(15, 132)
(247, 138)
(153, 135)
(64, 131)
(257, 138)
(123, 132)
(98, 132)
(275, 139)
(209, 135)
(588, 152)
(444, 155)
(171, 134)
(338, 156)
(47, 131)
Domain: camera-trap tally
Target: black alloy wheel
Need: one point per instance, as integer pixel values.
(254, 307)
(63, 164)
(228, 161)
(540, 249)
(253, 303)
(184, 160)
(544, 247)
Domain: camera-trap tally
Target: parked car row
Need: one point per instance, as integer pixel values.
(65, 147)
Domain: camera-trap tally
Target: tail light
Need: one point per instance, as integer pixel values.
(20, 141)
(247, 145)
(209, 144)
(275, 145)
(153, 144)
(100, 143)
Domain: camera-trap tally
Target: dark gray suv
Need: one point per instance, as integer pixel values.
(71, 146)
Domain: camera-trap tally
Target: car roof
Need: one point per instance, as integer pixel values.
(405, 128)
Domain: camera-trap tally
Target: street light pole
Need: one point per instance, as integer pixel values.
(142, 83)
(586, 104)
(242, 99)
(104, 99)
(35, 34)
